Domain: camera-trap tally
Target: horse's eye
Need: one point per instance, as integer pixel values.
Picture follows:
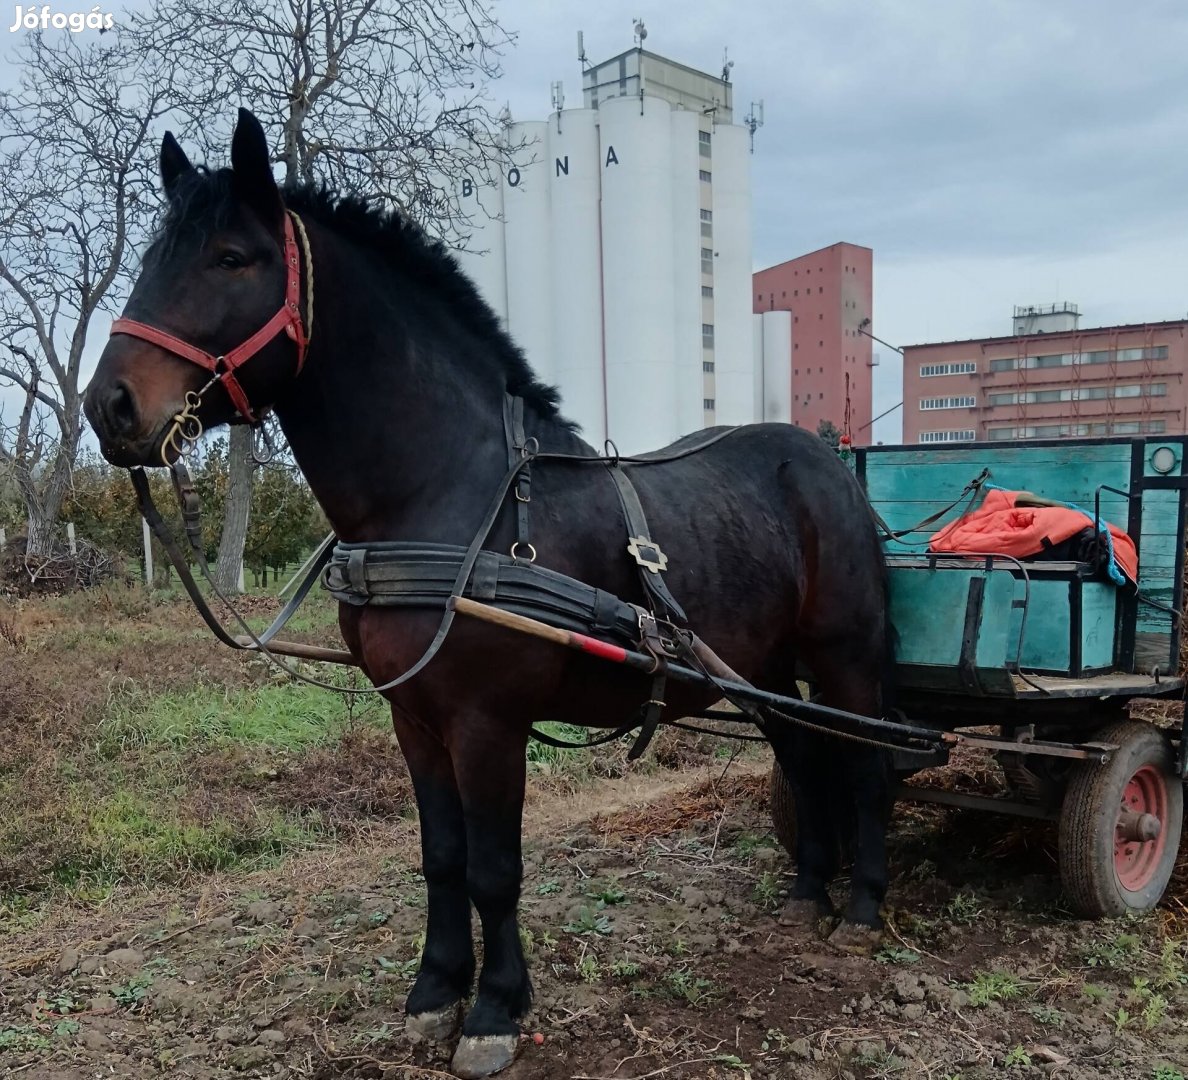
(232, 260)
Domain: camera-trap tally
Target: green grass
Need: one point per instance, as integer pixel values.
(283, 716)
(131, 835)
(988, 986)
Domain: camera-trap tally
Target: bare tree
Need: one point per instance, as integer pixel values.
(384, 99)
(76, 156)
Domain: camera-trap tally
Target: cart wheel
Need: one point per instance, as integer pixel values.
(783, 809)
(1120, 824)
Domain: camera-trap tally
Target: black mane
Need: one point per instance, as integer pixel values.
(203, 199)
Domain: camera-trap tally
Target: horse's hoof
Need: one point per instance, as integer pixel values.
(804, 913)
(439, 1025)
(482, 1055)
(856, 940)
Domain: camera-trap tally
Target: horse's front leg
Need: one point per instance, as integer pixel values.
(489, 765)
(434, 1004)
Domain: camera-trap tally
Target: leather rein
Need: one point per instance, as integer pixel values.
(186, 428)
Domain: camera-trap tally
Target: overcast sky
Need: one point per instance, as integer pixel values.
(991, 153)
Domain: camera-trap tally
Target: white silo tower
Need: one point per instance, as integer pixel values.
(575, 254)
(639, 313)
(483, 258)
(733, 346)
(526, 238)
(685, 168)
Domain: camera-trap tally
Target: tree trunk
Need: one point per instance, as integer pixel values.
(44, 504)
(236, 510)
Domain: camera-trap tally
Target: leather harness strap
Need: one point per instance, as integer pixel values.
(519, 446)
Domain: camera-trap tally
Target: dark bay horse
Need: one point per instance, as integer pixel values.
(394, 413)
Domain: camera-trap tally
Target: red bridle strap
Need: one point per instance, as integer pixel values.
(288, 319)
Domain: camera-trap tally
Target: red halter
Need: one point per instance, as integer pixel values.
(288, 319)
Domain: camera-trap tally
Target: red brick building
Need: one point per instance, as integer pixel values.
(1049, 379)
(829, 293)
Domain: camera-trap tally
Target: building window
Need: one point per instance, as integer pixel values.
(1008, 364)
(965, 401)
(707, 366)
(946, 436)
(703, 136)
(997, 434)
(708, 404)
(707, 261)
(706, 176)
(707, 231)
(707, 215)
(707, 290)
(960, 367)
(707, 334)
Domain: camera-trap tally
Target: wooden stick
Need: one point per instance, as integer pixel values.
(304, 652)
(509, 620)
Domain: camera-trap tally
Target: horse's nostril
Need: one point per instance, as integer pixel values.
(121, 409)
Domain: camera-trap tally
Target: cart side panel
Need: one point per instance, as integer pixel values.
(906, 484)
(953, 627)
(1159, 562)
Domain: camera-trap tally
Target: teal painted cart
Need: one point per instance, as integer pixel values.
(1039, 661)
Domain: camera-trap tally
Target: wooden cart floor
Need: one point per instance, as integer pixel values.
(1113, 685)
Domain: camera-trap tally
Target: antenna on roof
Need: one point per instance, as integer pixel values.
(558, 92)
(641, 32)
(727, 64)
(582, 51)
(753, 121)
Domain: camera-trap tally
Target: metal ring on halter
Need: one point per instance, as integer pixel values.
(521, 498)
(260, 436)
(530, 448)
(186, 429)
(519, 544)
(610, 451)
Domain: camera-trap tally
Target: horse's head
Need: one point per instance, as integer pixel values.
(219, 288)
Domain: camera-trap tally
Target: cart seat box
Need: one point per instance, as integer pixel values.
(966, 624)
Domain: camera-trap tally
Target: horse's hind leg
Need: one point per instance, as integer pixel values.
(434, 1005)
(489, 764)
(803, 757)
(849, 677)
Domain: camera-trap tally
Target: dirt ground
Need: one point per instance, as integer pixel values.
(648, 918)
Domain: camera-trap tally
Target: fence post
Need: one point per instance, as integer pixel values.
(70, 538)
(148, 553)
(3, 539)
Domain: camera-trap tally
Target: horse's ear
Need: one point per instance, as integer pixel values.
(173, 162)
(252, 166)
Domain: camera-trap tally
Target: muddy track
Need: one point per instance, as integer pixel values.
(648, 920)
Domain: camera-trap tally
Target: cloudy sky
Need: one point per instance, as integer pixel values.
(991, 153)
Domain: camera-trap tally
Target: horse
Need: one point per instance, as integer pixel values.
(388, 375)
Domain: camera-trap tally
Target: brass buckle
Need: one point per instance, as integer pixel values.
(647, 553)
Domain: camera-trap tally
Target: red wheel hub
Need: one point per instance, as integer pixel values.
(1135, 859)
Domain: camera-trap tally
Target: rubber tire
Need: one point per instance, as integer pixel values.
(783, 809)
(1089, 815)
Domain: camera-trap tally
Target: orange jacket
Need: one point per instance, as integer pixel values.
(1001, 527)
